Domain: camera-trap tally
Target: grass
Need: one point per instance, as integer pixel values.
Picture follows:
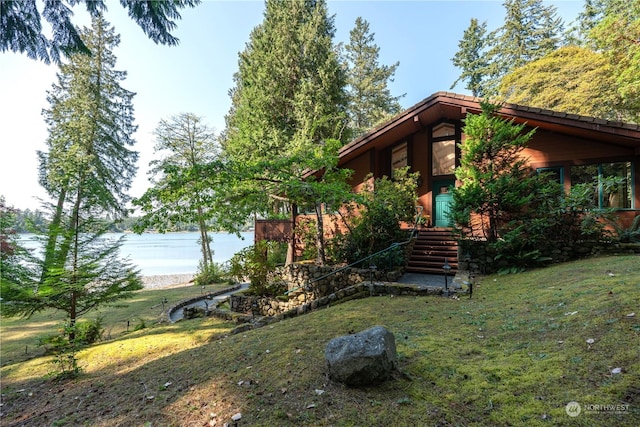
(515, 354)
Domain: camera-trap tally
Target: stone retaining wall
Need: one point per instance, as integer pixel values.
(272, 308)
(307, 283)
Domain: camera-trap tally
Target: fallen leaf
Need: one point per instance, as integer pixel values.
(631, 315)
(311, 406)
(319, 392)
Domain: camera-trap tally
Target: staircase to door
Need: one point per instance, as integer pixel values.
(430, 250)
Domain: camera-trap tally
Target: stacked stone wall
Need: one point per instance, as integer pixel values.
(307, 283)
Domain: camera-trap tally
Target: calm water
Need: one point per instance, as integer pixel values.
(171, 253)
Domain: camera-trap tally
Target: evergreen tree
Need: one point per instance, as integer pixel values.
(600, 78)
(370, 100)
(471, 57)
(288, 102)
(530, 31)
(617, 36)
(86, 170)
(578, 33)
(493, 175)
(21, 28)
(184, 143)
(289, 92)
(15, 261)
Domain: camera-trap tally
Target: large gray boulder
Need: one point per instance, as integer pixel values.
(365, 358)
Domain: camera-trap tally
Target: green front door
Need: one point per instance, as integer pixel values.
(442, 202)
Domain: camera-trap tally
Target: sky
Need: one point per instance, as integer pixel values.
(196, 76)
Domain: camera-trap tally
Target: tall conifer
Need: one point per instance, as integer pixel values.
(471, 57)
(370, 100)
(86, 170)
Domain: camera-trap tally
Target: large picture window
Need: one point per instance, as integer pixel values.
(614, 180)
(443, 159)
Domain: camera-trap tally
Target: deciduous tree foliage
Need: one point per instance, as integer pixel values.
(21, 24)
(184, 144)
(617, 36)
(572, 79)
(600, 78)
(86, 170)
(370, 99)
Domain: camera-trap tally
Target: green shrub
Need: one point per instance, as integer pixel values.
(381, 208)
(257, 264)
(212, 273)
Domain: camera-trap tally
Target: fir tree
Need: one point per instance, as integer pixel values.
(21, 27)
(370, 100)
(288, 103)
(471, 57)
(86, 170)
(530, 31)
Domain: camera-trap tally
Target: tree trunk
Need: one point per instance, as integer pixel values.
(322, 259)
(205, 247)
(74, 227)
(52, 237)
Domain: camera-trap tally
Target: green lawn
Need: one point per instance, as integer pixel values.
(515, 354)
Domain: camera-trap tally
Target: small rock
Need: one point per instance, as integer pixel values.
(590, 341)
(311, 406)
(616, 370)
(236, 417)
(631, 315)
(319, 392)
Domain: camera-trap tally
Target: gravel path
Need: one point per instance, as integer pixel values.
(167, 281)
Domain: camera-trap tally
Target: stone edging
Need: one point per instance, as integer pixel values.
(166, 316)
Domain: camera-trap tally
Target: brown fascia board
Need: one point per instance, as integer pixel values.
(536, 117)
(408, 114)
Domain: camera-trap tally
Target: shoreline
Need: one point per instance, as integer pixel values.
(167, 281)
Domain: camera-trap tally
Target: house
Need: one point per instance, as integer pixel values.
(426, 137)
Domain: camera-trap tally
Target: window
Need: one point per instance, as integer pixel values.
(554, 174)
(399, 157)
(614, 183)
(443, 159)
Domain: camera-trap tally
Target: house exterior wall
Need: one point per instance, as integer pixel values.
(560, 140)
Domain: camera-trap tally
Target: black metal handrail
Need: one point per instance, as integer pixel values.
(392, 246)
